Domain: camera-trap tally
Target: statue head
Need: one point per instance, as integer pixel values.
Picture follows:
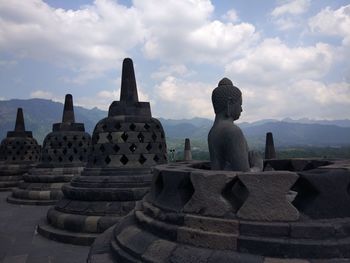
(227, 99)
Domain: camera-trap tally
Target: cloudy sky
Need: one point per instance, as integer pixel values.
(290, 58)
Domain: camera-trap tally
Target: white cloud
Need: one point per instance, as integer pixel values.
(173, 69)
(176, 34)
(104, 98)
(291, 7)
(287, 15)
(333, 23)
(89, 41)
(231, 16)
(93, 39)
(177, 97)
(273, 61)
(42, 94)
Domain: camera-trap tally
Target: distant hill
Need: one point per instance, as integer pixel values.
(40, 114)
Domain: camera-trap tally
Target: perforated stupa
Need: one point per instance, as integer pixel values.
(19, 152)
(125, 145)
(64, 155)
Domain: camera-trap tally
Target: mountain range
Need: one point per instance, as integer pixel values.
(40, 114)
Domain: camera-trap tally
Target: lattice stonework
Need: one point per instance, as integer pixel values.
(19, 149)
(66, 147)
(128, 144)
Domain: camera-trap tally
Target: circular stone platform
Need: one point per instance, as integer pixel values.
(64, 155)
(197, 215)
(19, 152)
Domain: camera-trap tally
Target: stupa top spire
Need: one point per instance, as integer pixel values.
(68, 110)
(129, 104)
(128, 91)
(19, 126)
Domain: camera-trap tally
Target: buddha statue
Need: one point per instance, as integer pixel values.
(228, 147)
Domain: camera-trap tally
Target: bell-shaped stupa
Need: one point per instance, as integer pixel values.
(64, 155)
(125, 146)
(19, 152)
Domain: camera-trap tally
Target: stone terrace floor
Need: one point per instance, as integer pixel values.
(20, 243)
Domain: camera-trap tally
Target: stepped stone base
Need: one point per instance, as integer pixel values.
(11, 175)
(93, 203)
(179, 221)
(42, 186)
(75, 238)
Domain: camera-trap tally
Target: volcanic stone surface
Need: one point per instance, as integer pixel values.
(193, 214)
(19, 152)
(64, 154)
(125, 146)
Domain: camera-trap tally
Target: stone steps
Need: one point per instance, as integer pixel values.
(76, 238)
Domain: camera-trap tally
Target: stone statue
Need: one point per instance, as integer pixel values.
(228, 147)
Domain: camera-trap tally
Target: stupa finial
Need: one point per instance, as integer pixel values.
(19, 127)
(270, 152)
(128, 91)
(68, 110)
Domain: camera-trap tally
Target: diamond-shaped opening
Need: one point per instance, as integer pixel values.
(306, 193)
(117, 126)
(64, 151)
(107, 160)
(185, 190)
(149, 146)
(236, 193)
(70, 158)
(65, 138)
(104, 127)
(83, 138)
(81, 158)
(133, 147)
(141, 137)
(124, 136)
(162, 135)
(132, 126)
(80, 144)
(109, 136)
(55, 151)
(75, 138)
(69, 145)
(154, 136)
(157, 127)
(142, 159)
(160, 146)
(124, 160)
(59, 144)
(75, 150)
(102, 148)
(60, 159)
(116, 148)
(156, 158)
(95, 160)
(147, 126)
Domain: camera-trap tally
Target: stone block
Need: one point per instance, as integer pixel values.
(213, 204)
(267, 196)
